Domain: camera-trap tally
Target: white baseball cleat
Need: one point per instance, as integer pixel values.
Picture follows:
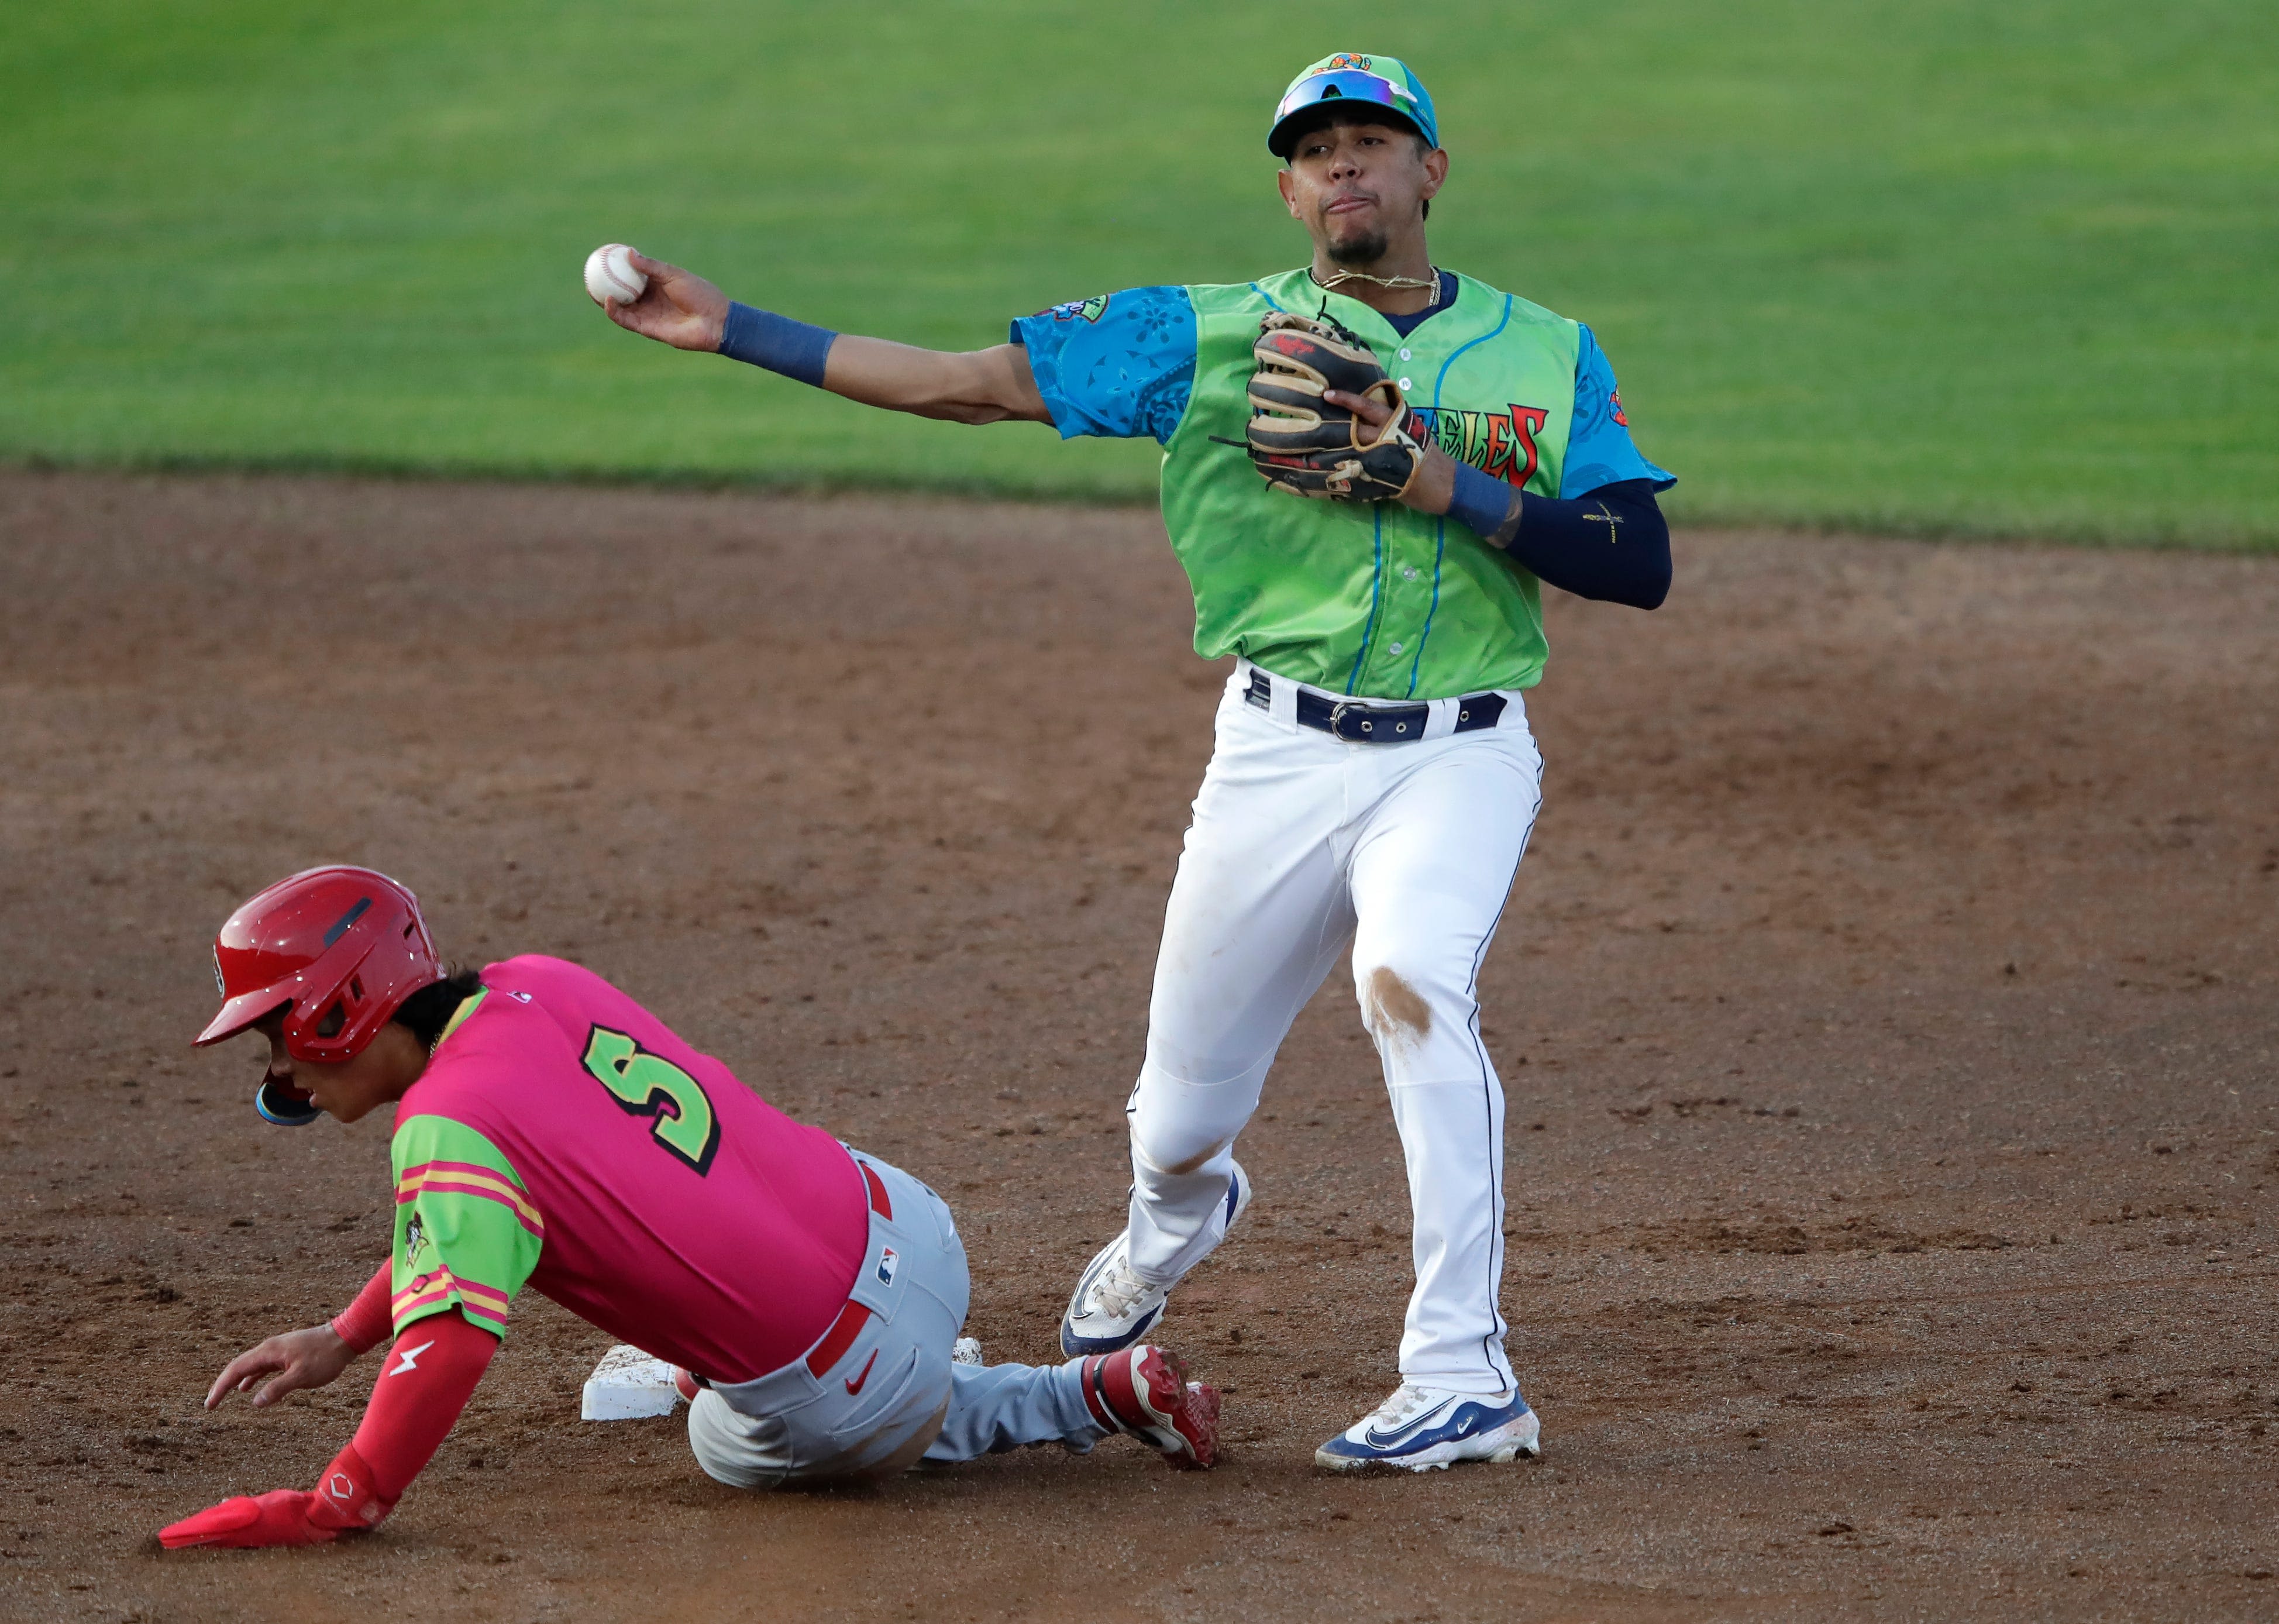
(1112, 1307)
(1423, 1429)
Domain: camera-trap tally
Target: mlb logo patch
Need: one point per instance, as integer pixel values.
(888, 1263)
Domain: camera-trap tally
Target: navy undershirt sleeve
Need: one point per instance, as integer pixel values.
(1611, 543)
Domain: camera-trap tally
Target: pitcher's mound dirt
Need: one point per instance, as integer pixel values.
(1887, 1008)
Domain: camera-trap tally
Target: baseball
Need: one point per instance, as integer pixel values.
(609, 274)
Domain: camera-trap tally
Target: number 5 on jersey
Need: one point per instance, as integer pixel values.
(649, 1085)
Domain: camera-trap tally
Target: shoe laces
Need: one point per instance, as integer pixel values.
(1117, 1288)
(1405, 1402)
(1407, 1399)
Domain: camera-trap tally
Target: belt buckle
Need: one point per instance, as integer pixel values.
(1337, 722)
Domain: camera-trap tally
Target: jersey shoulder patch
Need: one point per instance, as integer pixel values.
(1080, 310)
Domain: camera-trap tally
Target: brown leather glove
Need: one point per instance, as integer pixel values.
(1309, 446)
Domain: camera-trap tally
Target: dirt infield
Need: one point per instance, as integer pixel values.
(1888, 1007)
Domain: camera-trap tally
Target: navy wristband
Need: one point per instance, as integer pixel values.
(1481, 501)
(776, 342)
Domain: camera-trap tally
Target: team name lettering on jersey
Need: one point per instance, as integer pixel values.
(1500, 444)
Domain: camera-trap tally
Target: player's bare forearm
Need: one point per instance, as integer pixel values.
(976, 386)
(678, 307)
(1435, 484)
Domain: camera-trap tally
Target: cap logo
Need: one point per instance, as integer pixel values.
(340, 925)
(1336, 64)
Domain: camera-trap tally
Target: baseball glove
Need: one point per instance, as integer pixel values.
(1304, 445)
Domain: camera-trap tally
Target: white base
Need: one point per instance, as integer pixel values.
(628, 1385)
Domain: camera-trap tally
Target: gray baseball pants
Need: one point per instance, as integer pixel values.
(892, 1396)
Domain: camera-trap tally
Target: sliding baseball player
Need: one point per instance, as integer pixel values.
(552, 1134)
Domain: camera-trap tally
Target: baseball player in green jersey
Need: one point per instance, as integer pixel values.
(1374, 780)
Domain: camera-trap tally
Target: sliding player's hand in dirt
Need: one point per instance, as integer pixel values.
(293, 1361)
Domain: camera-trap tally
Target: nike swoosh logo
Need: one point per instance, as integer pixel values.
(1407, 1429)
(1386, 1439)
(856, 1385)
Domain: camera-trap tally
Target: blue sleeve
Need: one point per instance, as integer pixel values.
(1598, 449)
(1122, 364)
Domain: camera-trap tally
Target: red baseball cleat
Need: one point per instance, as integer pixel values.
(1143, 1392)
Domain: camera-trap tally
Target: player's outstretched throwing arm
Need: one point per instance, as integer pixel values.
(679, 308)
(1570, 543)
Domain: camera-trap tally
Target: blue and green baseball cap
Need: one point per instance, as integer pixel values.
(1352, 76)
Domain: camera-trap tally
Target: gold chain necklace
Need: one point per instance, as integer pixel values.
(1337, 279)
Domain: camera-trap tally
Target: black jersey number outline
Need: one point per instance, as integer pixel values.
(648, 1085)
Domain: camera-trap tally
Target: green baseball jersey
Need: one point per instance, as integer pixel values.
(1373, 599)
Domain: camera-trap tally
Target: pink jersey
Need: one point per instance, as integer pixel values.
(562, 1135)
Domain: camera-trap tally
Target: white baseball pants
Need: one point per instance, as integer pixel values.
(1302, 842)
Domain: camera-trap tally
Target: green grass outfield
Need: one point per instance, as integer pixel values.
(1918, 265)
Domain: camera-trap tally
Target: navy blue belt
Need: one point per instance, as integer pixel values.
(1361, 721)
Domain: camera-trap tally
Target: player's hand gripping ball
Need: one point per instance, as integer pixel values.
(611, 276)
(1309, 446)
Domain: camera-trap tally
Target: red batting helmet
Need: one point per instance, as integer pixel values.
(338, 950)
